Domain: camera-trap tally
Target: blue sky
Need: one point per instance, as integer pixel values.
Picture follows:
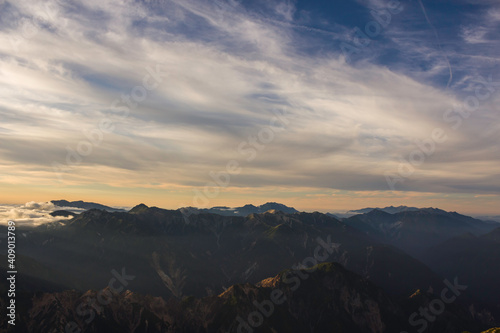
(130, 101)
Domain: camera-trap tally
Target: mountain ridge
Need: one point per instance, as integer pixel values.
(240, 211)
(287, 302)
(228, 249)
(84, 205)
(416, 230)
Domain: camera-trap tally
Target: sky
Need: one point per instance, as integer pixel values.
(320, 105)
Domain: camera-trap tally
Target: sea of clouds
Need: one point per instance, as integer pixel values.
(32, 213)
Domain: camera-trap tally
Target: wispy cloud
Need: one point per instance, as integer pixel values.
(474, 35)
(226, 67)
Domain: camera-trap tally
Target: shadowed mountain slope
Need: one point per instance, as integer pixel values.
(172, 255)
(416, 231)
(324, 298)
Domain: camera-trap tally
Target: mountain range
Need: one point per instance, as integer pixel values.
(84, 205)
(193, 270)
(390, 210)
(220, 210)
(204, 253)
(241, 211)
(416, 230)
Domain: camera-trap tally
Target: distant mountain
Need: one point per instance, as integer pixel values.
(63, 213)
(390, 210)
(333, 215)
(493, 218)
(324, 298)
(414, 231)
(84, 205)
(242, 211)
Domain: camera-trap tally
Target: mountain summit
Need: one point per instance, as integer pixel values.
(244, 210)
(390, 210)
(84, 205)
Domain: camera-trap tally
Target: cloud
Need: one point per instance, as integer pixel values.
(30, 214)
(474, 35)
(226, 68)
(286, 9)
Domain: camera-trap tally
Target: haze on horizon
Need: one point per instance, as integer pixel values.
(123, 102)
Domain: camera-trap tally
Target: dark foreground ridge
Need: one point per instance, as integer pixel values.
(323, 298)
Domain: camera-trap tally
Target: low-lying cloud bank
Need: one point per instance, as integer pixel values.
(31, 213)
